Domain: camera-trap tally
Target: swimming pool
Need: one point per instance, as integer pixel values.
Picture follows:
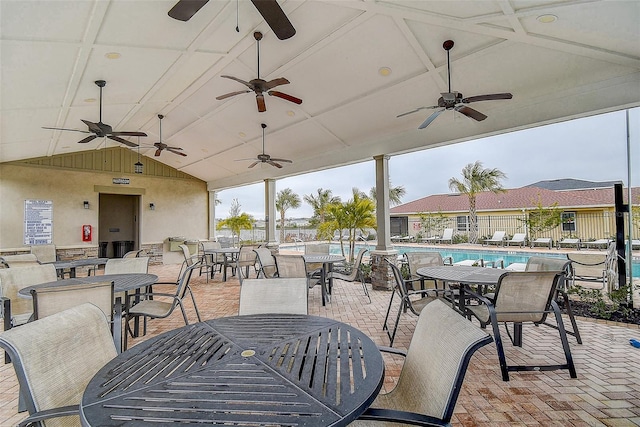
(507, 257)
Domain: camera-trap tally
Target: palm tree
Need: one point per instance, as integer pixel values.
(285, 200)
(236, 221)
(475, 180)
(360, 214)
(395, 194)
(320, 202)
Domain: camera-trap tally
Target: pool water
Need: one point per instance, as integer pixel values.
(487, 256)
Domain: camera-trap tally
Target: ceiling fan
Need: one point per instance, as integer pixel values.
(455, 100)
(270, 10)
(265, 158)
(160, 146)
(259, 86)
(100, 130)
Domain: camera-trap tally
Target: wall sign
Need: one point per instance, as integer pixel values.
(38, 222)
(120, 181)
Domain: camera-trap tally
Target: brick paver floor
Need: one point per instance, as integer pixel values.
(606, 392)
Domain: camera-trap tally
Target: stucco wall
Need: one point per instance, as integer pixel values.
(181, 205)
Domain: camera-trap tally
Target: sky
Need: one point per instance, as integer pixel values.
(591, 149)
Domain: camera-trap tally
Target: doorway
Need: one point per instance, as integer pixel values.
(118, 225)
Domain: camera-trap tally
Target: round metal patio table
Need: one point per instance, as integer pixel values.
(259, 370)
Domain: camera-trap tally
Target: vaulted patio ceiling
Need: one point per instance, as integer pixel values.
(585, 62)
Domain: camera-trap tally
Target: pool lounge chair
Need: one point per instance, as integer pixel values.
(569, 242)
(635, 244)
(518, 238)
(447, 236)
(497, 238)
(543, 241)
(596, 244)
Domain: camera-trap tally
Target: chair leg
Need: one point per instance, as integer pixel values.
(504, 369)
(386, 317)
(565, 342)
(364, 287)
(194, 305)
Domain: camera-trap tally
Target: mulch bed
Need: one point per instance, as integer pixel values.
(624, 315)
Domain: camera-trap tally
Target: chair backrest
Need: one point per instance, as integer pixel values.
(434, 369)
(187, 255)
(20, 260)
(267, 262)
(587, 264)
(277, 295)
(45, 253)
(127, 265)
(525, 296)
(447, 234)
(498, 235)
(14, 279)
(133, 254)
(291, 266)
(416, 260)
(317, 248)
(247, 256)
(401, 286)
(538, 263)
(518, 237)
(209, 244)
(356, 267)
(54, 361)
(54, 299)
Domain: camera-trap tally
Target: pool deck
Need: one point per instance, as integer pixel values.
(606, 392)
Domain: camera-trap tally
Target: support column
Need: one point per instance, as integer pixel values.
(212, 215)
(381, 273)
(270, 212)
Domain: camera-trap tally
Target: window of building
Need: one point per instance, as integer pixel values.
(462, 223)
(569, 221)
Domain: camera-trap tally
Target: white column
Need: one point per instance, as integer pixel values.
(270, 211)
(382, 203)
(212, 215)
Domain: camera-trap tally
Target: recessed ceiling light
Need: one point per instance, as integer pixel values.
(291, 113)
(112, 55)
(384, 71)
(90, 100)
(547, 19)
(242, 134)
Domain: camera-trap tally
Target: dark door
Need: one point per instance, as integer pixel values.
(118, 224)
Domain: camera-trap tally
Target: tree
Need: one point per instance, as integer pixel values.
(430, 221)
(236, 221)
(320, 202)
(543, 219)
(286, 199)
(475, 180)
(395, 194)
(360, 214)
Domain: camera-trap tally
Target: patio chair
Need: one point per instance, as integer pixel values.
(433, 371)
(277, 295)
(246, 261)
(54, 299)
(267, 263)
(568, 242)
(19, 260)
(190, 259)
(596, 244)
(211, 262)
(159, 305)
(408, 301)
(133, 254)
(53, 362)
(316, 248)
(44, 253)
(355, 274)
(635, 244)
(447, 236)
(588, 268)
(416, 260)
(294, 266)
(518, 239)
(498, 238)
(521, 297)
(542, 241)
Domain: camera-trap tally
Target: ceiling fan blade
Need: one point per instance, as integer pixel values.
(93, 127)
(73, 130)
(430, 119)
(282, 160)
(125, 133)
(272, 163)
(261, 105)
(489, 97)
(174, 151)
(122, 141)
(470, 112)
(416, 110)
(185, 9)
(253, 164)
(229, 95)
(276, 82)
(87, 139)
(275, 17)
(285, 96)
(247, 84)
(158, 152)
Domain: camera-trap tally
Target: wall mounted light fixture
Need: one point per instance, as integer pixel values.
(86, 204)
(152, 206)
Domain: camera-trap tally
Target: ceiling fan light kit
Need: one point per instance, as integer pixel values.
(453, 100)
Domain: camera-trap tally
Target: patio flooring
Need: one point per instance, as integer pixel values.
(606, 392)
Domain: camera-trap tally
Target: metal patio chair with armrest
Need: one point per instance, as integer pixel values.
(45, 253)
(416, 260)
(431, 378)
(159, 305)
(19, 260)
(54, 362)
(17, 311)
(355, 274)
(318, 249)
(277, 295)
(211, 262)
(52, 300)
(408, 302)
(246, 261)
(521, 297)
(294, 266)
(190, 259)
(267, 263)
